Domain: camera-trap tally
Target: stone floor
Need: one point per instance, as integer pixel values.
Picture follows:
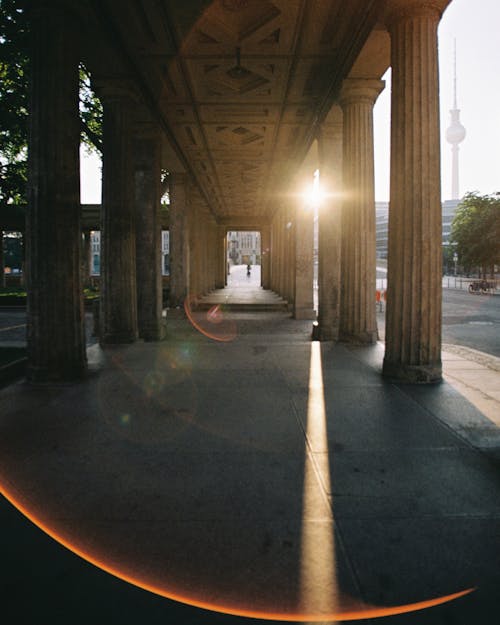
(241, 468)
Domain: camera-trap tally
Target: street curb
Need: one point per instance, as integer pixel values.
(482, 358)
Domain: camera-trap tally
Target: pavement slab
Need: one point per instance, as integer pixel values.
(263, 475)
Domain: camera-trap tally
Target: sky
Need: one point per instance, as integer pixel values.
(474, 25)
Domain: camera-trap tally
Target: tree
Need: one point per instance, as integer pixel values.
(14, 78)
(475, 231)
(13, 103)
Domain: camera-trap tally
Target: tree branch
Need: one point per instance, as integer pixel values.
(91, 136)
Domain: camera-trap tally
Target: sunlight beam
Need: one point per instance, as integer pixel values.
(318, 582)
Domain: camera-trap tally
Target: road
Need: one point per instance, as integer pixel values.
(470, 320)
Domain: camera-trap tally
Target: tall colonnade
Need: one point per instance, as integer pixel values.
(131, 289)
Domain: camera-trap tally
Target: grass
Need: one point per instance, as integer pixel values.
(12, 291)
(18, 291)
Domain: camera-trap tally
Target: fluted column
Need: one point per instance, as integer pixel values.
(291, 232)
(147, 178)
(265, 261)
(281, 250)
(55, 330)
(85, 263)
(413, 316)
(225, 258)
(358, 321)
(118, 316)
(220, 278)
(272, 255)
(179, 253)
(302, 231)
(193, 225)
(329, 227)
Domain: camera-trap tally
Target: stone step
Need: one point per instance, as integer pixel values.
(242, 299)
(243, 306)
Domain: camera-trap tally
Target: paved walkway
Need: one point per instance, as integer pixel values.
(262, 474)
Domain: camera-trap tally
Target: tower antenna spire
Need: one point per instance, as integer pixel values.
(455, 73)
(455, 133)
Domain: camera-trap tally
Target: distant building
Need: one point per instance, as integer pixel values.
(449, 210)
(382, 227)
(382, 224)
(243, 247)
(165, 253)
(95, 253)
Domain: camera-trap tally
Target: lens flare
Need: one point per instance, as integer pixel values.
(127, 574)
(153, 405)
(212, 324)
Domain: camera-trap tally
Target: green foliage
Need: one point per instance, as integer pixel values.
(475, 231)
(90, 293)
(12, 291)
(14, 80)
(90, 114)
(14, 69)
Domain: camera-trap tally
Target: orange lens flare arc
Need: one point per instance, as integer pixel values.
(213, 316)
(355, 615)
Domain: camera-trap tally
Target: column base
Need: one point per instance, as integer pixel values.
(327, 333)
(152, 334)
(413, 374)
(363, 338)
(118, 338)
(304, 313)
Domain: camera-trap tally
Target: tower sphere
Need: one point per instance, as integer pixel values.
(455, 133)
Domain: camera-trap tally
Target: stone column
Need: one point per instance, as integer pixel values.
(272, 255)
(413, 317)
(276, 252)
(289, 266)
(147, 178)
(193, 278)
(302, 231)
(329, 227)
(225, 258)
(265, 260)
(55, 332)
(282, 233)
(85, 257)
(220, 279)
(118, 311)
(358, 320)
(179, 267)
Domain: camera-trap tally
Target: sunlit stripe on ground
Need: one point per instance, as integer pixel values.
(319, 590)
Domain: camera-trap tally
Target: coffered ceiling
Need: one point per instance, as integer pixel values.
(239, 86)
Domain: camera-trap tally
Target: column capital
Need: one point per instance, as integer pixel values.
(363, 90)
(115, 90)
(401, 10)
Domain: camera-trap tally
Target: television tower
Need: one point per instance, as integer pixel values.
(455, 133)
